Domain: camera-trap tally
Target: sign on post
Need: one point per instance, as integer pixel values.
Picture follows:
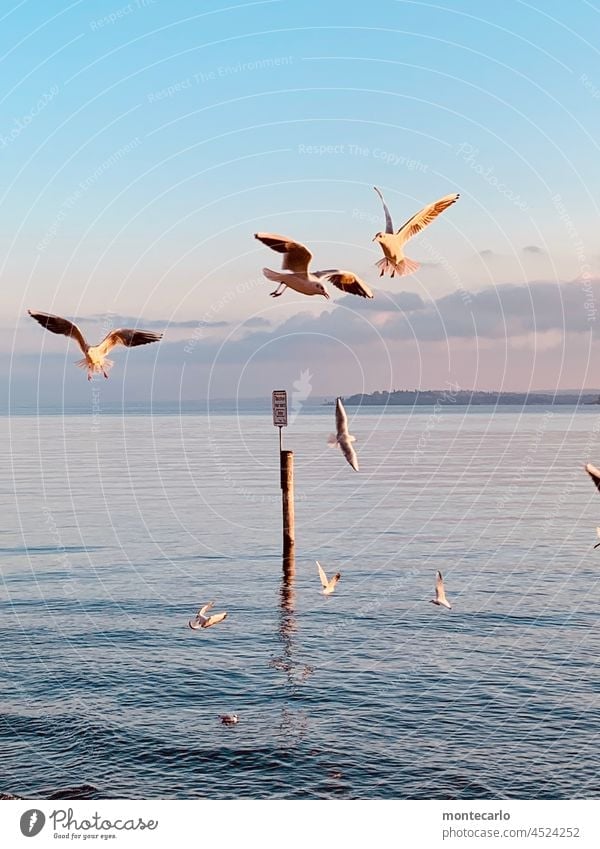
(280, 408)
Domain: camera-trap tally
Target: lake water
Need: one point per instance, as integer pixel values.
(115, 529)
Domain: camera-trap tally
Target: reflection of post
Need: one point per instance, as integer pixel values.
(287, 624)
(287, 585)
(287, 497)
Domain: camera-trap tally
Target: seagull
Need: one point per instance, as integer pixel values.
(440, 593)
(95, 355)
(296, 260)
(392, 244)
(204, 621)
(594, 473)
(328, 585)
(342, 437)
(229, 719)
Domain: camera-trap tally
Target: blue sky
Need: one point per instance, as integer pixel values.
(144, 143)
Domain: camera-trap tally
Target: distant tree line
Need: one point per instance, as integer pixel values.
(463, 397)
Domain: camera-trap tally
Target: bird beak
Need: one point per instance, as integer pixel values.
(374, 239)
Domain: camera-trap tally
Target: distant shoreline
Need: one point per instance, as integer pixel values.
(463, 398)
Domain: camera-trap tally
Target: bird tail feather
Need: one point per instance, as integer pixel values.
(407, 266)
(275, 276)
(332, 440)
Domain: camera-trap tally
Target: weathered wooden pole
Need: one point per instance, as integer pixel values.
(286, 477)
(287, 500)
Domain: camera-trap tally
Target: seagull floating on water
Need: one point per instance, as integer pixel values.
(295, 273)
(204, 621)
(328, 584)
(95, 356)
(440, 593)
(392, 244)
(229, 719)
(341, 437)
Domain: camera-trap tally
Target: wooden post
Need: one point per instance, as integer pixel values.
(287, 499)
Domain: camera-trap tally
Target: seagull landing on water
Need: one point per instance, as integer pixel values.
(328, 584)
(392, 244)
(229, 719)
(440, 593)
(295, 273)
(95, 356)
(204, 621)
(341, 437)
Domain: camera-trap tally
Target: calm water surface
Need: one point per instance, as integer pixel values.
(115, 529)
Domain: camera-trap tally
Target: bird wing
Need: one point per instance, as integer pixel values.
(594, 473)
(214, 620)
(56, 324)
(389, 227)
(440, 593)
(349, 453)
(341, 419)
(297, 257)
(419, 221)
(128, 337)
(204, 610)
(347, 281)
(322, 576)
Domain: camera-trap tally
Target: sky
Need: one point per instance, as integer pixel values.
(144, 143)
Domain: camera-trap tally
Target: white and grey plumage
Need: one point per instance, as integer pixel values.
(392, 244)
(594, 473)
(295, 272)
(229, 719)
(341, 437)
(440, 593)
(204, 621)
(95, 356)
(328, 584)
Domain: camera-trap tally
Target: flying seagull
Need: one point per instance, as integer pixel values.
(95, 356)
(392, 244)
(440, 593)
(295, 273)
(341, 437)
(327, 584)
(229, 719)
(594, 473)
(204, 621)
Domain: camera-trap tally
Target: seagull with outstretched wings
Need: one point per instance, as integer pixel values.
(201, 620)
(95, 356)
(342, 437)
(392, 244)
(440, 593)
(328, 584)
(295, 272)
